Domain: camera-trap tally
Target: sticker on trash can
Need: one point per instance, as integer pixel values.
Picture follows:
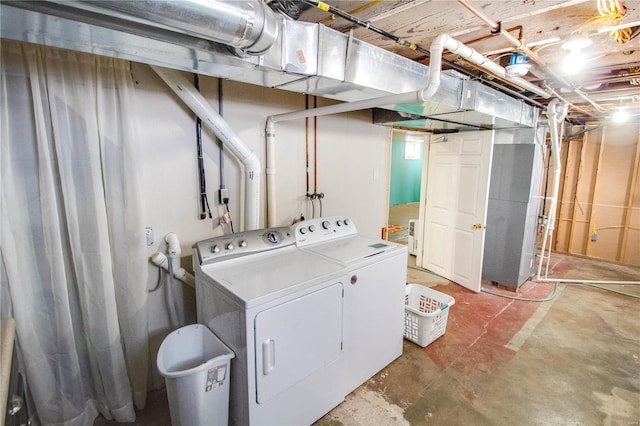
(215, 377)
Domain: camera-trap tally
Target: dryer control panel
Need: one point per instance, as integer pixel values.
(243, 243)
(322, 229)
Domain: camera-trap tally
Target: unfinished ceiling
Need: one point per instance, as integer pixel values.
(609, 79)
(368, 49)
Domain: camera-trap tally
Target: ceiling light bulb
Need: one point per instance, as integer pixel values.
(576, 43)
(574, 62)
(621, 115)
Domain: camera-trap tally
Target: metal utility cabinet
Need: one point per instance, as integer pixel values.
(512, 213)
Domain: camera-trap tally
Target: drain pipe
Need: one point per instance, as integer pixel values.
(199, 105)
(556, 112)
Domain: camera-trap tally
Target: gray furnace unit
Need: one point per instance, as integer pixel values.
(514, 198)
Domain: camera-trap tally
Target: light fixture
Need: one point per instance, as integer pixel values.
(574, 62)
(620, 115)
(518, 65)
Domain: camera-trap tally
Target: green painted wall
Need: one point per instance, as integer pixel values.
(405, 176)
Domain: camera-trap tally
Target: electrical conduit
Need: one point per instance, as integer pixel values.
(199, 105)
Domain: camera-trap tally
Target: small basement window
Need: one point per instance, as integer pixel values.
(412, 149)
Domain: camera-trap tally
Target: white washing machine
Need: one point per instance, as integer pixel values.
(280, 310)
(375, 282)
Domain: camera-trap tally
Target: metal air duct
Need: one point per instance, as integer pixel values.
(249, 26)
(303, 58)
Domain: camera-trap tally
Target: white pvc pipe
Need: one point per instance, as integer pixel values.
(161, 261)
(173, 245)
(555, 113)
(444, 41)
(270, 168)
(199, 105)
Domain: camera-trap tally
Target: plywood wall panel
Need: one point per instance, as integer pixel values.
(571, 166)
(601, 195)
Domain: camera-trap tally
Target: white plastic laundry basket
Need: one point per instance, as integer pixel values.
(425, 313)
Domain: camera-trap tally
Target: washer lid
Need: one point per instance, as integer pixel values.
(258, 278)
(353, 248)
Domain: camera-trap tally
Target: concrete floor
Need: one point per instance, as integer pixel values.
(573, 360)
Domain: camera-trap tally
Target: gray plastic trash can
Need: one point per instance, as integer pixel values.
(196, 367)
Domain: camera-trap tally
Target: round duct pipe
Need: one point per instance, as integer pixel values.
(250, 26)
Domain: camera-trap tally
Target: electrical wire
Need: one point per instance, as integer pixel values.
(610, 11)
(204, 202)
(226, 204)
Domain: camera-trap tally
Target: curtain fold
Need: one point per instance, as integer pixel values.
(71, 232)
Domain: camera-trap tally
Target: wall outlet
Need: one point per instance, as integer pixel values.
(148, 232)
(223, 195)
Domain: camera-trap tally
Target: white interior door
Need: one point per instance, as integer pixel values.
(454, 206)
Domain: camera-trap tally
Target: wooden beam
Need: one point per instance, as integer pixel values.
(594, 188)
(575, 193)
(630, 199)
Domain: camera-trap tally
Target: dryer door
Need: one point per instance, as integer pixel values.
(296, 339)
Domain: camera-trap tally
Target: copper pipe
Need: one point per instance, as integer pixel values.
(471, 8)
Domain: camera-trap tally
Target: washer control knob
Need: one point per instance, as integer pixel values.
(303, 230)
(339, 222)
(346, 222)
(229, 246)
(214, 249)
(272, 238)
(242, 243)
(312, 228)
(325, 224)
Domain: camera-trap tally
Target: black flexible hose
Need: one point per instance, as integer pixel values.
(204, 202)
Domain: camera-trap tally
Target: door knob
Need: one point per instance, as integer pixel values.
(478, 226)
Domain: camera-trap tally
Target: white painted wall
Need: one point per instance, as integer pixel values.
(352, 170)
